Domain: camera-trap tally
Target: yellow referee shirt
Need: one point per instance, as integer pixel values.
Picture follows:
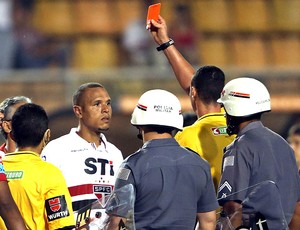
(39, 190)
(208, 137)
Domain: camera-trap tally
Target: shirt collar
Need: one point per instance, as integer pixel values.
(22, 153)
(160, 142)
(221, 113)
(101, 137)
(250, 126)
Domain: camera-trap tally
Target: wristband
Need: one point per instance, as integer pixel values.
(165, 45)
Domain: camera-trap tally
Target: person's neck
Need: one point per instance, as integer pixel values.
(37, 149)
(203, 109)
(91, 137)
(10, 145)
(245, 123)
(154, 135)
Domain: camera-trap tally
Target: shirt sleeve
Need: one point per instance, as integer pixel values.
(208, 201)
(122, 200)
(236, 174)
(58, 204)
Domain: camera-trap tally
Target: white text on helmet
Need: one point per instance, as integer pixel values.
(165, 108)
(262, 102)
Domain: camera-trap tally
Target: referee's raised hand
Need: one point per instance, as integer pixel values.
(159, 30)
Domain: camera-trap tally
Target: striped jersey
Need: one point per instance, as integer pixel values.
(89, 170)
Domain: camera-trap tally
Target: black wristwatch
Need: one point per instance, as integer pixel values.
(165, 45)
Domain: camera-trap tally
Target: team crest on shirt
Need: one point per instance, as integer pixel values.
(103, 193)
(56, 208)
(221, 130)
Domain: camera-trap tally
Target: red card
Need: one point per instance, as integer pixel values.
(153, 12)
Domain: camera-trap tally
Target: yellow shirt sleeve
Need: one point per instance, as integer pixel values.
(58, 203)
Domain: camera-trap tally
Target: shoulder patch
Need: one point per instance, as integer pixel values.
(228, 161)
(224, 189)
(123, 174)
(56, 208)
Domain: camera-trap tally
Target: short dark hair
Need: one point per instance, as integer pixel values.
(160, 128)
(29, 124)
(209, 82)
(77, 96)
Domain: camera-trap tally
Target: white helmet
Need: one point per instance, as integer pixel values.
(158, 107)
(245, 96)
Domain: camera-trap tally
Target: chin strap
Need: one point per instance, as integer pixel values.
(231, 130)
(140, 136)
(232, 125)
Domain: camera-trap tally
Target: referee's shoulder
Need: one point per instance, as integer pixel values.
(49, 167)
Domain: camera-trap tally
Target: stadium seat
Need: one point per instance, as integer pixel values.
(54, 17)
(95, 17)
(213, 16)
(285, 51)
(127, 11)
(249, 51)
(95, 52)
(214, 50)
(251, 16)
(286, 16)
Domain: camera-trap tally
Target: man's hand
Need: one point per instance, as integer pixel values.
(115, 223)
(159, 30)
(182, 69)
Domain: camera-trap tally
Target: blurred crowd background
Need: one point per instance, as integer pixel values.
(49, 47)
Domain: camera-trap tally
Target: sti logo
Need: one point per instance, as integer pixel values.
(219, 130)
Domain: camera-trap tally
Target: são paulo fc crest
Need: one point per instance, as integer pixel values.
(103, 193)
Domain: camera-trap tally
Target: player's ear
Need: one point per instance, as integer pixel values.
(77, 110)
(6, 126)
(193, 92)
(47, 136)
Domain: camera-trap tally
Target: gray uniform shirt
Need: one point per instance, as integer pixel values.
(172, 185)
(262, 160)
